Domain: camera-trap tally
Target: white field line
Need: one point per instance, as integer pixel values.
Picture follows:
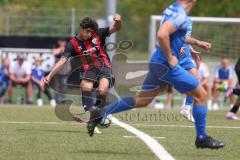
(140, 125)
(152, 144)
(47, 123)
(137, 137)
(184, 126)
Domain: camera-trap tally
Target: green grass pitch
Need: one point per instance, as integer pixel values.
(33, 133)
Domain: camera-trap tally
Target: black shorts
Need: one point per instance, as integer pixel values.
(95, 74)
(237, 70)
(14, 84)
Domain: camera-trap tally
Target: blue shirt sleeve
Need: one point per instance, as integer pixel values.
(177, 20)
(189, 27)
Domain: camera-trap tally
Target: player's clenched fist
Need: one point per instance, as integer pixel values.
(117, 18)
(204, 45)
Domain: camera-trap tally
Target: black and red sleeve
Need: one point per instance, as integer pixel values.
(68, 51)
(103, 33)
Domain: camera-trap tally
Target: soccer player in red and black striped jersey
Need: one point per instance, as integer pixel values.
(95, 65)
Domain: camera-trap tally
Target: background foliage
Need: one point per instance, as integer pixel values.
(53, 16)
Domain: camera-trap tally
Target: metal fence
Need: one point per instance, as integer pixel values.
(44, 22)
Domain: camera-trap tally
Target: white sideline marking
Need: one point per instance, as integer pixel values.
(137, 137)
(153, 145)
(184, 126)
(48, 123)
(141, 125)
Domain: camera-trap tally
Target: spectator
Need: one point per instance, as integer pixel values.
(223, 79)
(57, 52)
(4, 77)
(37, 75)
(20, 74)
(59, 48)
(203, 76)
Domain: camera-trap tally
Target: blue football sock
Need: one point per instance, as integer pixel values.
(123, 104)
(189, 100)
(200, 116)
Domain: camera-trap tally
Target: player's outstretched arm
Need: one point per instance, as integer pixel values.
(55, 69)
(164, 40)
(194, 51)
(195, 56)
(201, 44)
(117, 25)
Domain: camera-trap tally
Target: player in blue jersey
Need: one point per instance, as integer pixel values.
(186, 61)
(164, 69)
(4, 77)
(190, 61)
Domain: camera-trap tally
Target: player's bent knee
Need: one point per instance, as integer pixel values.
(202, 98)
(142, 102)
(207, 86)
(86, 86)
(238, 101)
(102, 89)
(200, 95)
(102, 92)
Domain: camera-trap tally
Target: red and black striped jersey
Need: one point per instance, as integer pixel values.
(91, 52)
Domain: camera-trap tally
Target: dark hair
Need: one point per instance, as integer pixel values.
(88, 22)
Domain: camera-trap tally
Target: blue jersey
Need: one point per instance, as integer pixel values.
(3, 77)
(38, 73)
(186, 46)
(178, 17)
